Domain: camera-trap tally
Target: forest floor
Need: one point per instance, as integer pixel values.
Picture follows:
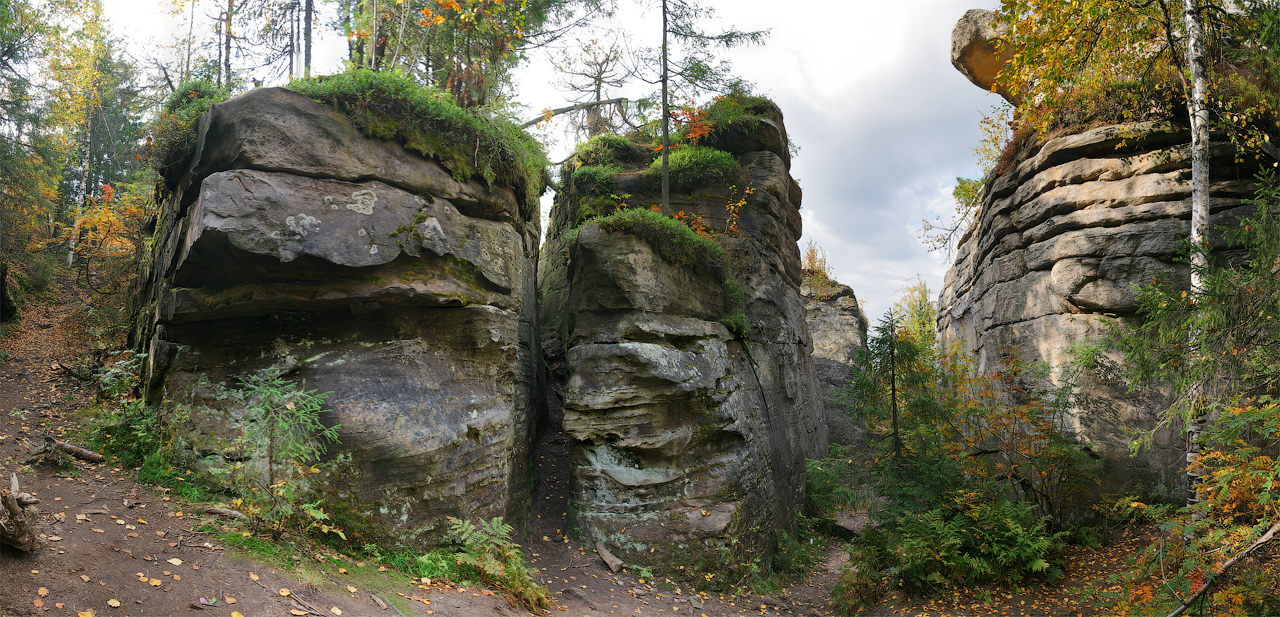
(112, 546)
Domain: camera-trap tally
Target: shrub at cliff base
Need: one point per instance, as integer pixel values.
(975, 476)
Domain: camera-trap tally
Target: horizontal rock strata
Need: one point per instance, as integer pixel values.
(1055, 256)
(364, 271)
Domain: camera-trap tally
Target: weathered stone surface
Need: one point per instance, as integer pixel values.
(687, 441)
(1058, 249)
(839, 330)
(273, 129)
(363, 271)
(973, 50)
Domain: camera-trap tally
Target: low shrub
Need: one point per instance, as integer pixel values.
(610, 150)
(488, 553)
(282, 442)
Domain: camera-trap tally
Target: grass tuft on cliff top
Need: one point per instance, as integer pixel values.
(469, 142)
(173, 134)
(690, 167)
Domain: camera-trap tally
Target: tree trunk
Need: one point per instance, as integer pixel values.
(666, 120)
(7, 305)
(226, 56)
(84, 195)
(1199, 210)
(308, 9)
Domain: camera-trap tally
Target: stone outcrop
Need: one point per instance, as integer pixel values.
(1059, 246)
(360, 269)
(839, 330)
(688, 440)
(973, 51)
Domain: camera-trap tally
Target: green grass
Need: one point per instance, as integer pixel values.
(469, 142)
(611, 149)
(596, 179)
(692, 166)
(173, 134)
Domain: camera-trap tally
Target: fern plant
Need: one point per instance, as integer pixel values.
(489, 552)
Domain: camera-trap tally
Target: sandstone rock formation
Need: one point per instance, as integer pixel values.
(1054, 257)
(973, 51)
(839, 329)
(688, 440)
(359, 269)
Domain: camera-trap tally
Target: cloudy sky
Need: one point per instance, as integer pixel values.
(883, 122)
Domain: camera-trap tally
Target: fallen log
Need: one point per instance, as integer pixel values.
(224, 512)
(51, 444)
(18, 523)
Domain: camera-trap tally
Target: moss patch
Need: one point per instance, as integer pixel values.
(391, 106)
(596, 179)
(611, 150)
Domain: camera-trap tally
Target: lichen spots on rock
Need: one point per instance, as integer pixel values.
(363, 201)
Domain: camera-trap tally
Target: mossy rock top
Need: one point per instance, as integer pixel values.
(274, 129)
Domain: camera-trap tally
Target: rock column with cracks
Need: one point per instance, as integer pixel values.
(688, 440)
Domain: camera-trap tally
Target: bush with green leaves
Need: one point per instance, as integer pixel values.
(975, 475)
(1217, 348)
(469, 142)
(690, 167)
(281, 441)
(127, 431)
(611, 150)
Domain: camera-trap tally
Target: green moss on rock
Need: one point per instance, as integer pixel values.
(391, 106)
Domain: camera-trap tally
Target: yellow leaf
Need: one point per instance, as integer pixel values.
(113, 603)
(42, 592)
(297, 612)
(335, 610)
(236, 614)
(284, 592)
(155, 582)
(351, 589)
(253, 576)
(175, 561)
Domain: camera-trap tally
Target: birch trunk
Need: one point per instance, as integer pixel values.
(1199, 212)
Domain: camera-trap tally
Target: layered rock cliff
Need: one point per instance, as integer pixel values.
(688, 439)
(359, 269)
(839, 330)
(1058, 249)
